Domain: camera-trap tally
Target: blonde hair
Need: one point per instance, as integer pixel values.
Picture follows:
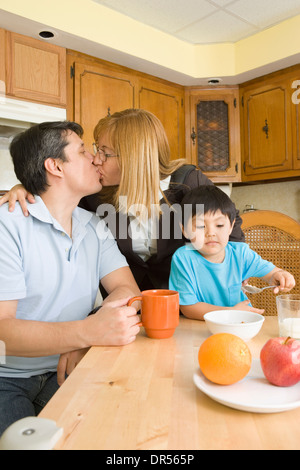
(138, 137)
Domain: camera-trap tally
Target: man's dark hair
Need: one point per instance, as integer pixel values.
(211, 199)
(31, 148)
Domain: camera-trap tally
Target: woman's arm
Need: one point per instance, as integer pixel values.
(19, 193)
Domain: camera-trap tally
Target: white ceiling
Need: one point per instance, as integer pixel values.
(207, 21)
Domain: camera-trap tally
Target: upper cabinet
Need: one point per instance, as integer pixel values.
(213, 132)
(249, 132)
(98, 92)
(34, 70)
(294, 85)
(97, 88)
(270, 127)
(165, 101)
(2, 61)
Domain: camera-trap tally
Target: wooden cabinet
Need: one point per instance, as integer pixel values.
(267, 130)
(213, 132)
(98, 92)
(167, 103)
(270, 128)
(2, 61)
(97, 88)
(35, 70)
(295, 87)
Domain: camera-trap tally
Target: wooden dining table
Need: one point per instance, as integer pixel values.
(142, 397)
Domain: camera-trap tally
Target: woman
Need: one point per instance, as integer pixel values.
(141, 186)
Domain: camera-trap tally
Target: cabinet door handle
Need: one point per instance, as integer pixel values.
(193, 135)
(266, 129)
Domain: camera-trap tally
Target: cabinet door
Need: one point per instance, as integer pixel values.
(267, 131)
(35, 70)
(2, 62)
(295, 98)
(166, 103)
(100, 91)
(296, 152)
(213, 136)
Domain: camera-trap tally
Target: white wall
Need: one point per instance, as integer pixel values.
(282, 197)
(7, 175)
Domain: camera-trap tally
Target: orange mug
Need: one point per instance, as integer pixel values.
(160, 312)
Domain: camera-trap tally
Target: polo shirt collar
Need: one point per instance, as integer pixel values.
(40, 211)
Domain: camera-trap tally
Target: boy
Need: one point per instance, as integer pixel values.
(209, 271)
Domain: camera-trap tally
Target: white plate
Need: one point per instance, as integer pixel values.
(254, 393)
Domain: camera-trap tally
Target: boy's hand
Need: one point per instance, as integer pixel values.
(283, 279)
(245, 305)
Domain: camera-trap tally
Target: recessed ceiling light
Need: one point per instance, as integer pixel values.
(214, 81)
(46, 34)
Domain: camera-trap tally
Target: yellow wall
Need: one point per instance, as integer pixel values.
(99, 24)
(271, 45)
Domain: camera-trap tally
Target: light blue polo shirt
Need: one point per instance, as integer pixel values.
(53, 277)
(199, 280)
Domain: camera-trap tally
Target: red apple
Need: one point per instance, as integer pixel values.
(280, 361)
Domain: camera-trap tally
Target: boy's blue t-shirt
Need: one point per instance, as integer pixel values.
(199, 280)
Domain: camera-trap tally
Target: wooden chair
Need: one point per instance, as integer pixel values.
(276, 238)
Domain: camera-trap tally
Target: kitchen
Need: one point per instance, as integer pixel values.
(145, 64)
(232, 62)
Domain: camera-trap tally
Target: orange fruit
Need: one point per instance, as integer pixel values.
(224, 358)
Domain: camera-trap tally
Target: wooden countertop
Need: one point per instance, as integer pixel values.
(142, 396)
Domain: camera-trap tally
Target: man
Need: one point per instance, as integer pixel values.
(50, 266)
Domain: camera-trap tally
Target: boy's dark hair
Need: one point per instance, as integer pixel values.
(31, 148)
(206, 199)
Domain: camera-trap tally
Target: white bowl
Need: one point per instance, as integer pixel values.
(244, 324)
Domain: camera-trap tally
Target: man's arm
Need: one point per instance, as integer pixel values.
(33, 338)
(120, 284)
(114, 324)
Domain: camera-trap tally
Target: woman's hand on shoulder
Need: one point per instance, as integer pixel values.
(18, 193)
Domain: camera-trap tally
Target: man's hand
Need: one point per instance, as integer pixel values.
(67, 363)
(115, 324)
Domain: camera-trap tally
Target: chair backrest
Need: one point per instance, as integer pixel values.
(276, 238)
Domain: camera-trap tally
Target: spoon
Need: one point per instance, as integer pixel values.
(254, 289)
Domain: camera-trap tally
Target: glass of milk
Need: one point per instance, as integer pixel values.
(288, 309)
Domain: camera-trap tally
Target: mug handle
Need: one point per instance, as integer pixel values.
(133, 299)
